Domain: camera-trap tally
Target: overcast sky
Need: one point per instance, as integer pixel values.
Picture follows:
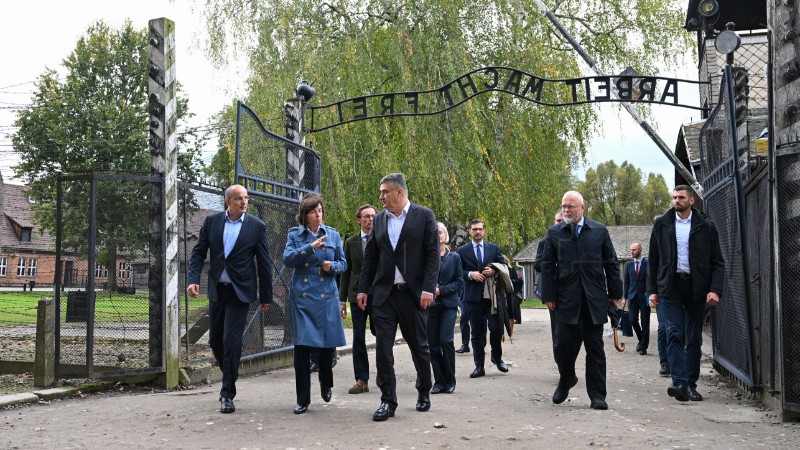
(40, 33)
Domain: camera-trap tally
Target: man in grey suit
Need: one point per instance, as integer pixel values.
(239, 273)
(401, 267)
(354, 248)
(580, 278)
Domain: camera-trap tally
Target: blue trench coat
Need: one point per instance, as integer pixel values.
(314, 295)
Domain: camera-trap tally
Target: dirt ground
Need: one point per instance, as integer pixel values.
(511, 410)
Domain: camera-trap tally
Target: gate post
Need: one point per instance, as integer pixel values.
(163, 274)
(296, 162)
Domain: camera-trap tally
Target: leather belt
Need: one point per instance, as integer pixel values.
(224, 284)
(683, 275)
(400, 286)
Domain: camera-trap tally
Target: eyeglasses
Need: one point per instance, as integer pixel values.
(476, 229)
(367, 216)
(569, 206)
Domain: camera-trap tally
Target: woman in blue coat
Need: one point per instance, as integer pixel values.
(315, 253)
(442, 317)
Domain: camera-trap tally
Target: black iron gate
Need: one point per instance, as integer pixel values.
(732, 331)
(107, 323)
(276, 173)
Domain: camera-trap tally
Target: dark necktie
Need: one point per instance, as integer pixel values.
(637, 269)
(480, 256)
(576, 230)
(364, 242)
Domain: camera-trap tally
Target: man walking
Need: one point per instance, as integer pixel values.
(401, 267)
(239, 273)
(686, 275)
(580, 277)
(634, 285)
(348, 291)
(475, 259)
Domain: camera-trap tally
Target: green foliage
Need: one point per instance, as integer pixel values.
(615, 195)
(496, 157)
(95, 119)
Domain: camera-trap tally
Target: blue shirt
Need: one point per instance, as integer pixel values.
(229, 237)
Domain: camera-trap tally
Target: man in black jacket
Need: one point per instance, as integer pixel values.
(686, 273)
(580, 277)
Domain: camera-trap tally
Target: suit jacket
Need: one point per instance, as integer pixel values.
(416, 255)
(634, 286)
(250, 281)
(576, 267)
(354, 255)
(451, 282)
(473, 290)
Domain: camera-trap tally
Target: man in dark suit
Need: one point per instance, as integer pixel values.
(401, 267)
(580, 277)
(634, 286)
(475, 259)
(348, 290)
(239, 273)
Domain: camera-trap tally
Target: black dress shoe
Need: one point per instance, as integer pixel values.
(423, 403)
(694, 395)
(300, 409)
(383, 413)
(643, 351)
(226, 405)
(326, 393)
(664, 372)
(562, 391)
(437, 390)
(314, 367)
(599, 403)
(451, 389)
(463, 349)
(679, 391)
(478, 372)
(502, 367)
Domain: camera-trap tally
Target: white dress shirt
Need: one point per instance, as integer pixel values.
(395, 226)
(682, 229)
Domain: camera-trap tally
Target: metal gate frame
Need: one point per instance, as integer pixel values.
(89, 369)
(716, 179)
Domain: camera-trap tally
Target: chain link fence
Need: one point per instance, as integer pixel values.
(787, 175)
(103, 302)
(723, 203)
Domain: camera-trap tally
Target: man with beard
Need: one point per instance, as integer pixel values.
(580, 277)
(686, 274)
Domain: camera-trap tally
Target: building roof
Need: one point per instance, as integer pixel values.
(17, 211)
(621, 238)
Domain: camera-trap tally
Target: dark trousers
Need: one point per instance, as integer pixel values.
(638, 308)
(684, 317)
(662, 337)
(568, 344)
(227, 319)
(480, 315)
(360, 360)
(400, 307)
(441, 326)
(302, 371)
(464, 323)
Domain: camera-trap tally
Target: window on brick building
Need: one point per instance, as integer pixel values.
(21, 264)
(3, 266)
(32, 267)
(124, 270)
(100, 271)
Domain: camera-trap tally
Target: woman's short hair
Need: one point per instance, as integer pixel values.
(446, 233)
(308, 203)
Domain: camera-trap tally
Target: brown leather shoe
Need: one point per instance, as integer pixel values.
(359, 388)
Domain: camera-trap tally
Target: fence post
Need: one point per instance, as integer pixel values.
(45, 359)
(163, 282)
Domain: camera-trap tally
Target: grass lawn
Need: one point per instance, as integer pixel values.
(19, 308)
